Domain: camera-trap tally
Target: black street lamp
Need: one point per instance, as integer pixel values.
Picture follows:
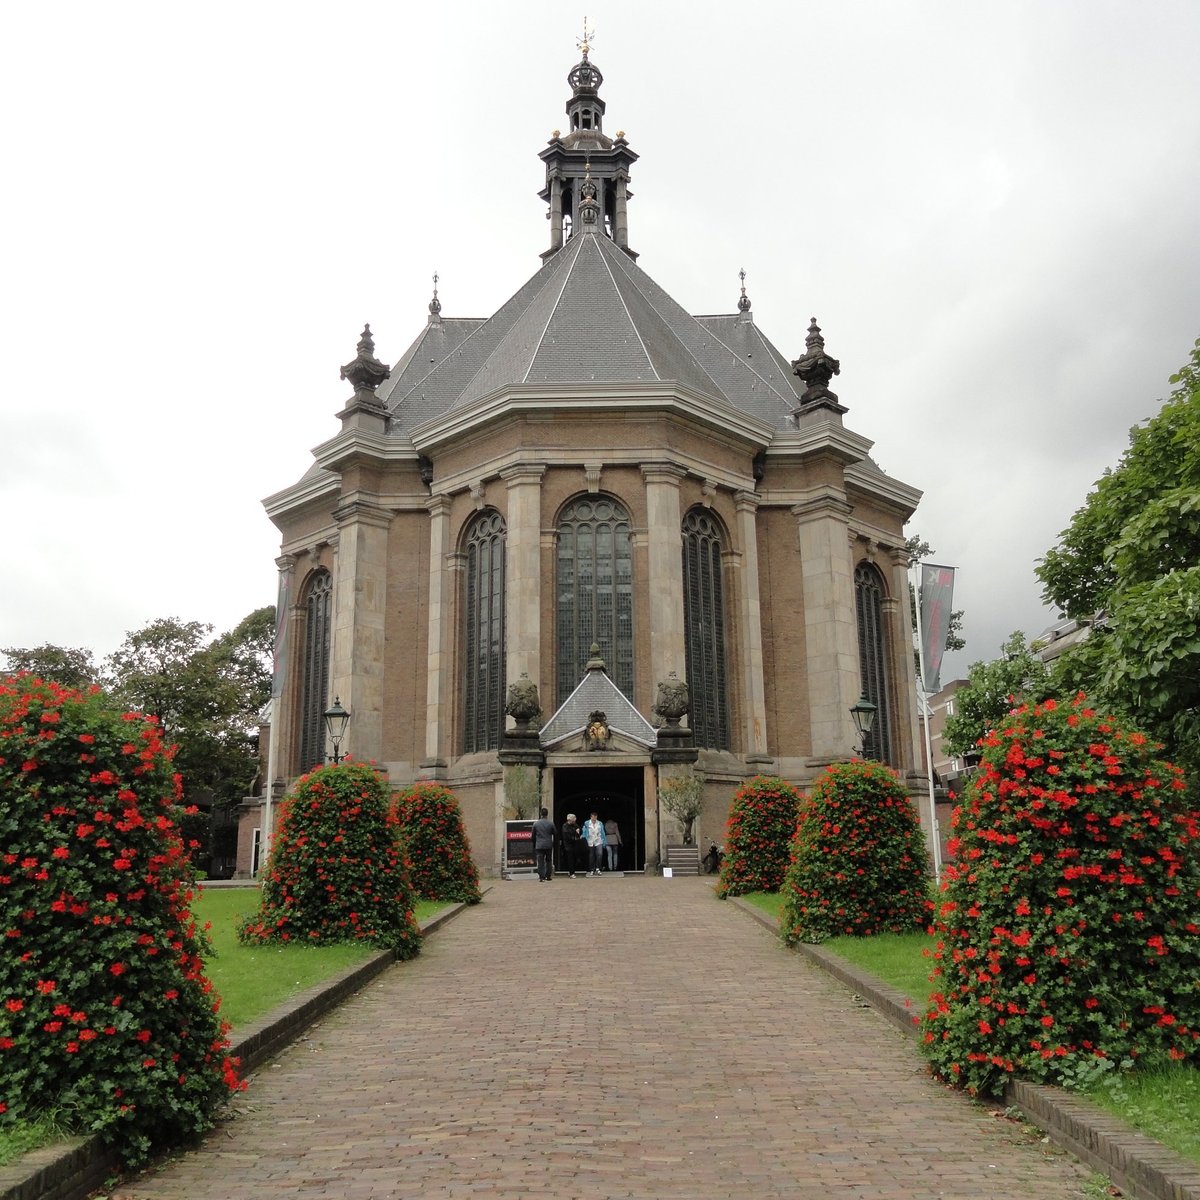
(863, 713)
(336, 720)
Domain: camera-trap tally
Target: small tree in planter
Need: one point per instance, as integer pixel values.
(440, 865)
(758, 837)
(683, 797)
(858, 859)
(336, 872)
(1070, 922)
(105, 1013)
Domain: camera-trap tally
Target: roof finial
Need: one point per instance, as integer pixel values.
(816, 368)
(584, 43)
(366, 372)
(743, 300)
(589, 209)
(435, 305)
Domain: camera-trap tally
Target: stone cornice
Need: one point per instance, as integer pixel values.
(361, 443)
(299, 494)
(879, 486)
(821, 437)
(627, 397)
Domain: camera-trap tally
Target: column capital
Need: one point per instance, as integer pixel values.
(286, 563)
(822, 503)
(354, 510)
(747, 501)
(438, 505)
(523, 473)
(663, 472)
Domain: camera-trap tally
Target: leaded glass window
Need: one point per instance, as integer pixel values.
(483, 660)
(314, 697)
(872, 658)
(594, 592)
(704, 630)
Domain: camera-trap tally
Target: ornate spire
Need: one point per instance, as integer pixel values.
(435, 305)
(366, 372)
(743, 299)
(589, 210)
(584, 148)
(816, 368)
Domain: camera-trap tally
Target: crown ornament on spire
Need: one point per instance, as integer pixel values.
(817, 368)
(743, 299)
(435, 305)
(366, 372)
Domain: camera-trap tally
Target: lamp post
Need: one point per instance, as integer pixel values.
(863, 713)
(336, 719)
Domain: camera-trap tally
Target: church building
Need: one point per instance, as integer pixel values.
(557, 555)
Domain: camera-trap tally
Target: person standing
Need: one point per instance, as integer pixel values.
(543, 847)
(593, 834)
(612, 842)
(570, 839)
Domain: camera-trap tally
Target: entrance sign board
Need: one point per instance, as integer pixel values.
(518, 847)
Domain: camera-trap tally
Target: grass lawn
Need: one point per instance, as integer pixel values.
(251, 980)
(1164, 1102)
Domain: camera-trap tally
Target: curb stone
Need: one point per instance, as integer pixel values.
(72, 1169)
(1138, 1164)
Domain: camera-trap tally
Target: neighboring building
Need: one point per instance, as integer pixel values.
(587, 493)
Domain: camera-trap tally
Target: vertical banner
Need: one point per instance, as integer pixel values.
(936, 598)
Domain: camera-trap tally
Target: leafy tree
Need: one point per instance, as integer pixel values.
(683, 797)
(1129, 562)
(69, 666)
(205, 692)
(992, 690)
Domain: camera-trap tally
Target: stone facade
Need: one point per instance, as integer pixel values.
(592, 383)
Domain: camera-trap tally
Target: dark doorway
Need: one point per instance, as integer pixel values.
(613, 793)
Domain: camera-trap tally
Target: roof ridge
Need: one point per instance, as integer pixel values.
(788, 402)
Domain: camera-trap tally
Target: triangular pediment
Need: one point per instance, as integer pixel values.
(596, 692)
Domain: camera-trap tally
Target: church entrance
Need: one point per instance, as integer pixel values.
(614, 794)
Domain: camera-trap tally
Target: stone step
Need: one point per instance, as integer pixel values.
(683, 860)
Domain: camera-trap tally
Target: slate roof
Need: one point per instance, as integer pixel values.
(591, 314)
(597, 691)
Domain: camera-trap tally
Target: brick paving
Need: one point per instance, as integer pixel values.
(632, 1039)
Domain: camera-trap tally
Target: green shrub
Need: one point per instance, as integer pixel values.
(758, 837)
(440, 865)
(858, 858)
(105, 1014)
(1069, 927)
(336, 872)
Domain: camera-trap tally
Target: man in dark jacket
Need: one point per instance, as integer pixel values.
(570, 845)
(543, 847)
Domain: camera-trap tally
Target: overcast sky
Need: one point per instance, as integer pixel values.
(991, 209)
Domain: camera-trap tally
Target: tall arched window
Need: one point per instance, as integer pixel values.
(314, 680)
(594, 592)
(704, 630)
(872, 658)
(483, 660)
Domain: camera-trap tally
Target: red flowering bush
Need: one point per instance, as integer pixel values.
(432, 836)
(336, 872)
(758, 837)
(1070, 925)
(858, 858)
(105, 1013)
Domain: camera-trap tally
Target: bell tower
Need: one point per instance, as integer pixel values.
(585, 159)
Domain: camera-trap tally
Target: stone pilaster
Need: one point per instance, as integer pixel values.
(754, 694)
(438, 685)
(523, 571)
(359, 613)
(665, 569)
(830, 629)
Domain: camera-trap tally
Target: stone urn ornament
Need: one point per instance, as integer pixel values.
(672, 702)
(523, 705)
